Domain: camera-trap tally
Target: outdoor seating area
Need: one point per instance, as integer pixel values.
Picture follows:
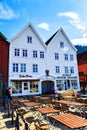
(47, 113)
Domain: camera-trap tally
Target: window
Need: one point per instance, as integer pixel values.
(25, 86)
(57, 69)
(34, 54)
(16, 87)
(35, 68)
(41, 54)
(66, 57)
(74, 84)
(33, 86)
(17, 52)
(24, 53)
(66, 69)
(61, 44)
(29, 39)
(72, 69)
(60, 84)
(23, 68)
(15, 67)
(56, 56)
(71, 58)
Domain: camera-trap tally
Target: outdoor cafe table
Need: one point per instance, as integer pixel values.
(30, 104)
(22, 100)
(70, 120)
(47, 110)
(82, 99)
(76, 104)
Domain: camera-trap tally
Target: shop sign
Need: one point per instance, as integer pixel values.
(25, 76)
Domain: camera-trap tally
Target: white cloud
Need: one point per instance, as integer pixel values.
(74, 20)
(85, 35)
(44, 26)
(72, 15)
(6, 12)
(79, 41)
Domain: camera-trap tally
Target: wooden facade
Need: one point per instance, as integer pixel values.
(82, 68)
(4, 60)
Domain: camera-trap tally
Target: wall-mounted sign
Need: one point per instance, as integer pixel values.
(24, 76)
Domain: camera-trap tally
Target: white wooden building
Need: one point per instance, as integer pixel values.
(36, 67)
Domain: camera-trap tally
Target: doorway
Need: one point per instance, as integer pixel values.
(25, 88)
(47, 87)
(67, 84)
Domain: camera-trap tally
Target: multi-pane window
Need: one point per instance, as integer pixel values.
(66, 57)
(41, 54)
(56, 56)
(34, 54)
(35, 68)
(57, 69)
(72, 69)
(16, 87)
(74, 84)
(33, 86)
(29, 39)
(15, 67)
(66, 69)
(16, 52)
(61, 44)
(24, 53)
(23, 67)
(71, 57)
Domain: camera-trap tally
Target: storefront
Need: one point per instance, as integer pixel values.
(25, 87)
(66, 82)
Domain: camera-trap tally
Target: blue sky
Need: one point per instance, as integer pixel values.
(47, 16)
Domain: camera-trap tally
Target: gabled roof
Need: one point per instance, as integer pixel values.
(58, 32)
(27, 26)
(1, 35)
(48, 41)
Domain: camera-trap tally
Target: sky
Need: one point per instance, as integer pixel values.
(47, 16)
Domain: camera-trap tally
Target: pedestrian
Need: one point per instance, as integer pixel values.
(8, 94)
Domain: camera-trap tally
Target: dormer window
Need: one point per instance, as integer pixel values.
(29, 39)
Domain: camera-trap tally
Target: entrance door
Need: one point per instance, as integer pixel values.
(67, 84)
(25, 88)
(47, 87)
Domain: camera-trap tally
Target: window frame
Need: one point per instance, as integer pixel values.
(29, 39)
(17, 52)
(15, 67)
(35, 68)
(66, 58)
(57, 69)
(56, 56)
(61, 44)
(24, 53)
(35, 54)
(42, 54)
(22, 67)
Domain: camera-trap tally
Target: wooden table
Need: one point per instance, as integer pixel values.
(82, 99)
(30, 104)
(47, 110)
(70, 120)
(76, 104)
(22, 100)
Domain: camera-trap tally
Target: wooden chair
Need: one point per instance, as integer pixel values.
(41, 127)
